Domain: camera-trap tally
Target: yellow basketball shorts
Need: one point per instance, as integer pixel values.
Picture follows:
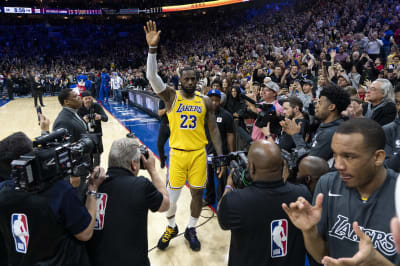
(187, 165)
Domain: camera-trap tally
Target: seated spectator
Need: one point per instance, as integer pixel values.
(392, 133)
(380, 106)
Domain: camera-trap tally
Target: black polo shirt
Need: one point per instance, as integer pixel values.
(261, 232)
(225, 126)
(164, 118)
(123, 202)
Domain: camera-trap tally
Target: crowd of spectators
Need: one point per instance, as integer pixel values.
(315, 64)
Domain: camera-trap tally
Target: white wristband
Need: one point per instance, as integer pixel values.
(155, 47)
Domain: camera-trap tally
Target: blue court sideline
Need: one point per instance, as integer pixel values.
(3, 102)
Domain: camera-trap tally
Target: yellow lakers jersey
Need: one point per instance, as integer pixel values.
(186, 122)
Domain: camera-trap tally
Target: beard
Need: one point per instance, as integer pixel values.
(189, 90)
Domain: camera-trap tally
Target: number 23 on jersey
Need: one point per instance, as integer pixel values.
(188, 122)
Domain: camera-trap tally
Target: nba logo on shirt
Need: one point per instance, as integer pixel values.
(279, 235)
(101, 211)
(20, 231)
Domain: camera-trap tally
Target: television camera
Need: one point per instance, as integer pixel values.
(54, 157)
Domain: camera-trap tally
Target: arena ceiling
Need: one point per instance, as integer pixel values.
(88, 4)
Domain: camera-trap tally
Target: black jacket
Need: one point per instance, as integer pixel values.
(382, 114)
(69, 120)
(321, 143)
(392, 147)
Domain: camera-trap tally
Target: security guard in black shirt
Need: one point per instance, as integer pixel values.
(261, 232)
(225, 126)
(163, 133)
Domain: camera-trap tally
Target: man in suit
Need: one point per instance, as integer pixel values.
(68, 118)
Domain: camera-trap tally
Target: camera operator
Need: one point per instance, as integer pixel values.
(310, 169)
(332, 101)
(292, 109)
(68, 118)
(269, 93)
(42, 227)
(392, 133)
(123, 202)
(93, 114)
(261, 233)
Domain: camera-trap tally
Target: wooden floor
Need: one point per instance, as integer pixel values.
(20, 115)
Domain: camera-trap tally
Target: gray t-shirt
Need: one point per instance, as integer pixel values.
(342, 206)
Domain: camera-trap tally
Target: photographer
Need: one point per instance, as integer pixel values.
(93, 114)
(269, 92)
(261, 233)
(292, 109)
(68, 118)
(42, 227)
(332, 101)
(123, 202)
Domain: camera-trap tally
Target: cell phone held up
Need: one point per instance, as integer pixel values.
(39, 112)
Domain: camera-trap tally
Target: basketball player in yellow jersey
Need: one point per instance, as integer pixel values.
(186, 111)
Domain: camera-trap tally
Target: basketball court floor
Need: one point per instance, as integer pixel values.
(20, 115)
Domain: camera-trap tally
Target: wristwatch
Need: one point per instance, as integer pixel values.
(91, 193)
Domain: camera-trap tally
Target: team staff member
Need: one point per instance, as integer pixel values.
(261, 233)
(68, 118)
(355, 202)
(186, 111)
(225, 126)
(163, 133)
(42, 228)
(123, 202)
(100, 116)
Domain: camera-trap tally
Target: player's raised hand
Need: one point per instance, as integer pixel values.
(364, 256)
(302, 214)
(152, 35)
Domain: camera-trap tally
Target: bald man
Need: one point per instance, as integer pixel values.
(311, 168)
(261, 232)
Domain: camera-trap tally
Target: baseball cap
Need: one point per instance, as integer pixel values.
(86, 93)
(214, 93)
(344, 75)
(308, 81)
(272, 86)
